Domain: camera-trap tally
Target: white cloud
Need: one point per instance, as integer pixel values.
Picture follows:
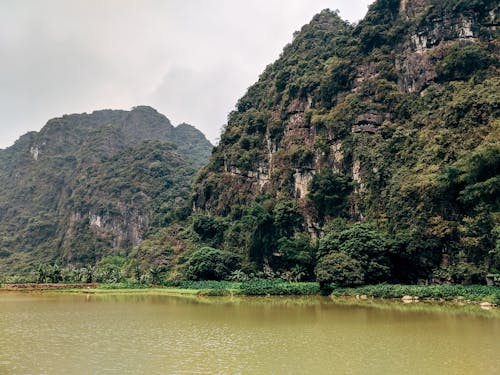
(191, 59)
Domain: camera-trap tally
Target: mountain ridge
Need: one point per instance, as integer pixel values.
(377, 122)
(90, 185)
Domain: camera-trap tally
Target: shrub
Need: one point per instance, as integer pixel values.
(447, 292)
(287, 217)
(269, 287)
(339, 78)
(109, 269)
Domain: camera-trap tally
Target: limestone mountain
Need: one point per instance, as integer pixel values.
(393, 121)
(90, 185)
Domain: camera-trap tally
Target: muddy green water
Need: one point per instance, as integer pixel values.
(143, 334)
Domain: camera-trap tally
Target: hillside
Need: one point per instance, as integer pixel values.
(91, 185)
(381, 139)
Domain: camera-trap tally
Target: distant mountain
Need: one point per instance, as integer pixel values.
(90, 185)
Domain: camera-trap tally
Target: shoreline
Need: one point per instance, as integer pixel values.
(486, 297)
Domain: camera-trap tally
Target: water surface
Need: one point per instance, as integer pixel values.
(144, 334)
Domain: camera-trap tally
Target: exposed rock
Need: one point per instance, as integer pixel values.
(415, 57)
(302, 180)
(409, 299)
(34, 151)
(487, 305)
(367, 128)
(367, 102)
(96, 185)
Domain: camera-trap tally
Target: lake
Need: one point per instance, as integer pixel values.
(62, 333)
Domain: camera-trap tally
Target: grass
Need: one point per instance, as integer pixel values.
(460, 293)
(476, 293)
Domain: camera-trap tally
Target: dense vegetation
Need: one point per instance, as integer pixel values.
(93, 185)
(365, 154)
(392, 123)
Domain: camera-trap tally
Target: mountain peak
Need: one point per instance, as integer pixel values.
(89, 184)
(336, 114)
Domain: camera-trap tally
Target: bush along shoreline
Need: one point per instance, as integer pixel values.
(407, 293)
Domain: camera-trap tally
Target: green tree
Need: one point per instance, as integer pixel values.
(41, 274)
(461, 62)
(208, 263)
(209, 228)
(54, 273)
(364, 243)
(156, 273)
(297, 252)
(287, 218)
(328, 192)
(110, 269)
(339, 268)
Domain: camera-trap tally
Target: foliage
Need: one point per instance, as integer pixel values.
(210, 264)
(328, 192)
(264, 287)
(366, 246)
(49, 273)
(93, 185)
(339, 77)
(412, 138)
(446, 292)
(210, 229)
(250, 288)
(461, 62)
(296, 255)
(339, 268)
(110, 269)
(386, 154)
(287, 218)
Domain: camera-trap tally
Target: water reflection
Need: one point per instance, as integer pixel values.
(158, 334)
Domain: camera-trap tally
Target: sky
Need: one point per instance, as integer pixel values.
(190, 59)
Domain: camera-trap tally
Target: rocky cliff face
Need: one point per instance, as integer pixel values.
(428, 30)
(391, 104)
(428, 39)
(90, 185)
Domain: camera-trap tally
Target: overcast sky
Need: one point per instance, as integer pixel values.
(190, 59)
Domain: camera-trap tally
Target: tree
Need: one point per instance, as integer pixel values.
(42, 274)
(297, 252)
(339, 268)
(210, 229)
(363, 243)
(287, 217)
(328, 192)
(156, 273)
(461, 62)
(109, 269)
(208, 263)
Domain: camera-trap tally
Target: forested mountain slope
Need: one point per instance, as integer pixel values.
(381, 138)
(90, 185)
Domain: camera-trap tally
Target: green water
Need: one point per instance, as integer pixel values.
(143, 334)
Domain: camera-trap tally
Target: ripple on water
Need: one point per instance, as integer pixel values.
(69, 335)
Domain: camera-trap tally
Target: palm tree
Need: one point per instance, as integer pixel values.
(155, 273)
(42, 274)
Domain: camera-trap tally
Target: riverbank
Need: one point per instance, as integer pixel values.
(408, 293)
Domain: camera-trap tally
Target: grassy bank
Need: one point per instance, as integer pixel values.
(224, 288)
(472, 293)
